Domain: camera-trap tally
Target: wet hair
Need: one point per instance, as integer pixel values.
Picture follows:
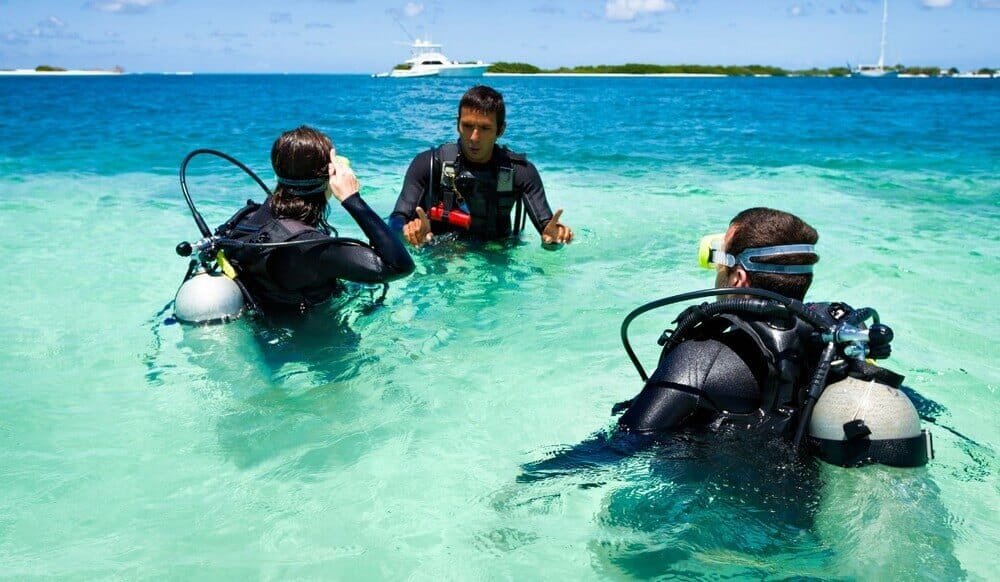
(484, 100)
(767, 227)
(300, 154)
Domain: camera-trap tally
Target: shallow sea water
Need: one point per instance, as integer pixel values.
(422, 438)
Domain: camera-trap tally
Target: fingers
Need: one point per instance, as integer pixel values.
(555, 233)
(409, 233)
(332, 168)
(418, 231)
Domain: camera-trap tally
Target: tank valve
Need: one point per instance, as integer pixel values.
(879, 338)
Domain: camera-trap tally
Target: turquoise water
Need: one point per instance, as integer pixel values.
(397, 442)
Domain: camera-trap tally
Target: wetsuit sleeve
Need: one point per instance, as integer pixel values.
(697, 379)
(415, 186)
(530, 184)
(385, 260)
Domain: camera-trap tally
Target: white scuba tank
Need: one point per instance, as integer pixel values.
(208, 298)
(857, 422)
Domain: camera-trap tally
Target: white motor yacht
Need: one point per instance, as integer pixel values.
(427, 60)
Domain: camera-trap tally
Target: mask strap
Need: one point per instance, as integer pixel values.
(745, 259)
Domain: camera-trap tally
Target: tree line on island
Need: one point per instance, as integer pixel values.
(727, 70)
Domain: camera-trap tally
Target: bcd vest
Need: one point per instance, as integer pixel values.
(778, 354)
(489, 194)
(254, 223)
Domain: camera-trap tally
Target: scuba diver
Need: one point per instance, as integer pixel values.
(471, 187)
(279, 256)
(762, 360)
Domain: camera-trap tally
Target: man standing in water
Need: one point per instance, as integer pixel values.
(473, 186)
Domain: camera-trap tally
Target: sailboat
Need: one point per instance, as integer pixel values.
(878, 70)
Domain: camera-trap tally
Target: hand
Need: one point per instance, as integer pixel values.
(418, 231)
(343, 183)
(555, 232)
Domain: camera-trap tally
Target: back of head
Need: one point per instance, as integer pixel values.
(484, 100)
(767, 227)
(302, 154)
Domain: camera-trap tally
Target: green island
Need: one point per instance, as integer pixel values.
(727, 70)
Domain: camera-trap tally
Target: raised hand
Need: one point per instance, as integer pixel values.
(343, 182)
(556, 233)
(417, 232)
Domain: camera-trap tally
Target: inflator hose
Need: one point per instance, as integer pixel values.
(791, 305)
(202, 226)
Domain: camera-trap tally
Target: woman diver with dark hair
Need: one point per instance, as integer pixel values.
(299, 276)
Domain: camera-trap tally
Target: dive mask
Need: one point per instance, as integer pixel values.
(710, 254)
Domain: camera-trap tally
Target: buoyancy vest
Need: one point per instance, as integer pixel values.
(774, 348)
(488, 194)
(254, 223)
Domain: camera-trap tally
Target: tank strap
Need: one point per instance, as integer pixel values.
(906, 452)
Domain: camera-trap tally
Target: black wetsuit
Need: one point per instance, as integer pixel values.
(299, 276)
(734, 368)
(421, 180)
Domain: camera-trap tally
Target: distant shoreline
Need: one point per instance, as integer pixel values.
(112, 73)
(719, 75)
(65, 73)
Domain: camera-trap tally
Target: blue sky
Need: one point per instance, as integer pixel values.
(364, 36)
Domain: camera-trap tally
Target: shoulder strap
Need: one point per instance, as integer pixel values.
(517, 158)
(226, 228)
(447, 152)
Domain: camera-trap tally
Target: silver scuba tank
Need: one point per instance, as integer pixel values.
(208, 298)
(857, 422)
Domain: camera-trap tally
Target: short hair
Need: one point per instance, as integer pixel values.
(300, 154)
(484, 100)
(767, 227)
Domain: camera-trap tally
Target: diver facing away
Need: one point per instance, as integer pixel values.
(763, 360)
(280, 253)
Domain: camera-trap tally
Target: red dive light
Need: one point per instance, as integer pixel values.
(452, 217)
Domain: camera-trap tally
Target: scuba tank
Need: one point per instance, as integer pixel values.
(207, 298)
(844, 409)
(211, 291)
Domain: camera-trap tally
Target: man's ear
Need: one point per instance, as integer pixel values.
(501, 130)
(738, 277)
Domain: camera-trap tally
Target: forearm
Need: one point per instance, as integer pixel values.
(395, 260)
(415, 187)
(535, 200)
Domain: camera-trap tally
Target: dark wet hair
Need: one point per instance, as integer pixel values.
(300, 154)
(484, 100)
(767, 227)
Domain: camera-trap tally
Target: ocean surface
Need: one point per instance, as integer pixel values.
(459, 430)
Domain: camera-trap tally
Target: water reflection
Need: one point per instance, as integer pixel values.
(740, 504)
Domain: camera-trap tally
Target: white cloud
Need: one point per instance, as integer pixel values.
(52, 22)
(629, 9)
(937, 3)
(123, 6)
(413, 9)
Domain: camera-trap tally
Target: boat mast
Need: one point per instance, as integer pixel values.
(885, 19)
